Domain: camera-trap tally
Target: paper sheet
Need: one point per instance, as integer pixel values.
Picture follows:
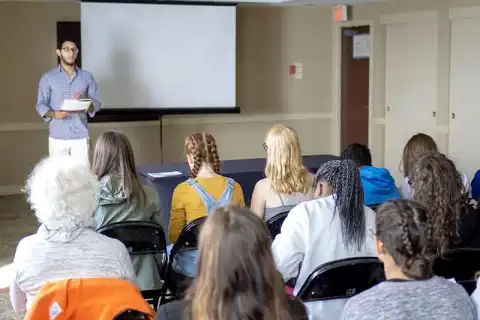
(164, 174)
(75, 105)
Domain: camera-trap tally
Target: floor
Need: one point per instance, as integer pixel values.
(16, 222)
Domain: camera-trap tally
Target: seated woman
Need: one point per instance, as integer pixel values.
(334, 226)
(287, 182)
(410, 292)
(378, 184)
(199, 195)
(61, 191)
(236, 274)
(418, 144)
(123, 198)
(438, 186)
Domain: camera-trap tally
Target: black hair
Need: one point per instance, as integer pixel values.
(344, 179)
(359, 153)
(61, 42)
(403, 228)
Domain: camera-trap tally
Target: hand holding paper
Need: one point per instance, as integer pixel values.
(76, 105)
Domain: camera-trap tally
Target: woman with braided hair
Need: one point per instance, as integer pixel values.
(333, 226)
(411, 292)
(206, 188)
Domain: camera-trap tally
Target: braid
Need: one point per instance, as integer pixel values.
(194, 148)
(203, 148)
(344, 178)
(409, 255)
(214, 159)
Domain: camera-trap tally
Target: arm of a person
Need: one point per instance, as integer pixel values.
(257, 205)
(288, 248)
(178, 218)
(92, 93)
(238, 193)
(43, 99)
(153, 203)
(18, 298)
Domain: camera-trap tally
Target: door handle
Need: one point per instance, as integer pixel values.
(434, 114)
(453, 115)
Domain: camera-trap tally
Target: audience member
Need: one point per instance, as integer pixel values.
(199, 195)
(418, 144)
(410, 292)
(335, 226)
(287, 181)
(61, 191)
(476, 186)
(237, 278)
(123, 198)
(378, 184)
(437, 185)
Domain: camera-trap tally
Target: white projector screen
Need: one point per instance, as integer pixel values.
(160, 56)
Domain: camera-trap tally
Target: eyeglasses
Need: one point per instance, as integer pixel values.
(67, 49)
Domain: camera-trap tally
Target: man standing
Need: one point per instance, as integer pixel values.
(68, 131)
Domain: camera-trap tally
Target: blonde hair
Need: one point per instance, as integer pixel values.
(284, 168)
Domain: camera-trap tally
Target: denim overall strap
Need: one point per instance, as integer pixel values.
(207, 199)
(227, 195)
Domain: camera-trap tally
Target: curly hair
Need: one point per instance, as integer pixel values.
(203, 148)
(417, 145)
(358, 153)
(403, 227)
(437, 185)
(344, 178)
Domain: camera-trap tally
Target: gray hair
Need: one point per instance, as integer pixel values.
(344, 178)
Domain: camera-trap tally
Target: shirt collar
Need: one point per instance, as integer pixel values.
(60, 69)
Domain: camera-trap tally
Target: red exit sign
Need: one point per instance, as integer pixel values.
(341, 13)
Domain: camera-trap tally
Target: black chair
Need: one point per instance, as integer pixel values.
(142, 238)
(463, 265)
(342, 279)
(274, 224)
(187, 240)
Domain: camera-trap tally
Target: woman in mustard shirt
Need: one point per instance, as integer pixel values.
(203, 192)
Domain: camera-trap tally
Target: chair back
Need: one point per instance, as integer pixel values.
(275, 223)
(342, 279)
(188, 238)
(463, 265)
(139, 237)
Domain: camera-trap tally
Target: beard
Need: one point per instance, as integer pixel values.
(67, 61)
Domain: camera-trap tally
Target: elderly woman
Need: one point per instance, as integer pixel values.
(61, 191)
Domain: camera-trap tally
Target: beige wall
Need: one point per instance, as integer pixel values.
(269, 39)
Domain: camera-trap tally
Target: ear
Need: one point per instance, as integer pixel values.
(58, 52)
(379, 246)
(318, 190)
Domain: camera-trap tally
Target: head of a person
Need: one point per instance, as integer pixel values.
(341, 179)
(201, 149)
(437, 185)
(237, 277)
(67, 52)
(417, 145)
(358, 153)
(284, 169)
(113, 156)
(402, 238)
(62, 192)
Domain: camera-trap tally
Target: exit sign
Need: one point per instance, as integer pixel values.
(340, 13)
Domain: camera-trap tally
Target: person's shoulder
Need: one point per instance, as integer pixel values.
(104, 241)
(86, 73)
(172, 310)
(50, 73)
(26, 245)
(151, 193)
(366, 300)
(182, 187)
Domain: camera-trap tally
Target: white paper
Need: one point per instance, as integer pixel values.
(164, 174)
(76, 105)
(361, 46)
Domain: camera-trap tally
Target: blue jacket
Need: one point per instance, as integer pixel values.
(378, 185)
(476, 190)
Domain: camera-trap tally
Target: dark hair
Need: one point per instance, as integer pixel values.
(403, 228)
(358, 153)
(344, 178)
(237, 278)
(61, 42)
(203, 148)
(417, 145)
(113, 156)
(437, 185)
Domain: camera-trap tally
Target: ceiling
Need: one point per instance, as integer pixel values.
(293, 2)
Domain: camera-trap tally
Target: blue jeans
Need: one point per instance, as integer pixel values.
(185, 261)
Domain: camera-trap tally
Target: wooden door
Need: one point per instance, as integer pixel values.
(355, 90)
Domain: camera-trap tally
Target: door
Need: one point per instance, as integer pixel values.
(70, 30)
(464, 93)
(355, 87)
(410, 87)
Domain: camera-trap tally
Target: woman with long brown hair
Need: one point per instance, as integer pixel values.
(287, 181)
(199, 195)
(237, 278)
(418, 144)
(437, 185)
(123, 198)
